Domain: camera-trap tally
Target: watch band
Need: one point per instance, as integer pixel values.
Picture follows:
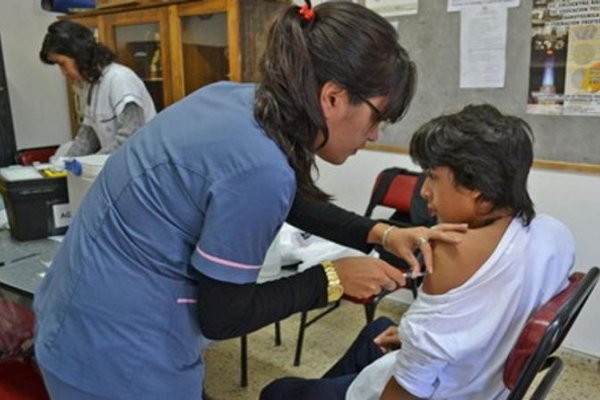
(335, 290)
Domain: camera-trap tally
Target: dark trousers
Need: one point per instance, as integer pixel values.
(334, 384)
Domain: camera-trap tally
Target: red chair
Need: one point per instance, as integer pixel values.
(20, 378)
(396, 189)
(542, 335)
(35, 154)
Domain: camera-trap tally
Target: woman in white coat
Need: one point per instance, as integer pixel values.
(117, 104)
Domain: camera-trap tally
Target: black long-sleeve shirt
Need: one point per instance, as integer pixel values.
(228, 310)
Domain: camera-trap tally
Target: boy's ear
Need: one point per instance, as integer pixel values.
(484, 207)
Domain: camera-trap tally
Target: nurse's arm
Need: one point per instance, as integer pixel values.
(227, 310)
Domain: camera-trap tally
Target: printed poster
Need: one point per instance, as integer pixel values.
(564, 73)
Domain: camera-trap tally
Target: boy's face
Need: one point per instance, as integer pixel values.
(447, 200)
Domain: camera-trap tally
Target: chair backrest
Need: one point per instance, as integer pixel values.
(543, 334)
(399, 189)
(393, 188)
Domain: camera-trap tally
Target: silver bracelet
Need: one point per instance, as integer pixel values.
(384, 237)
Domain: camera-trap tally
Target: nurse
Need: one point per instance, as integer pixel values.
(117, 102)
(166, 248)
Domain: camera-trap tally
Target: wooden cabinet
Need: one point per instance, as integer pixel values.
(176, 47)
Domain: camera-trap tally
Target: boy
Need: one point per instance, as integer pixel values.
(454, 339)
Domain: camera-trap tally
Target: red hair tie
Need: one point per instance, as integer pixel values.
(307, 12)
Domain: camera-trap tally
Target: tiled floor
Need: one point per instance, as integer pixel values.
(580, 379)
(325, 342)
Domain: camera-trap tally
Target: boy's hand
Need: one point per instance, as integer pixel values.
(388, 340)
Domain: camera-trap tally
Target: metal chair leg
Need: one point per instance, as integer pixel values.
(301, 329)
(244, 354)
(244, 361)
(277, 334)
(370, 309)
(305, 323)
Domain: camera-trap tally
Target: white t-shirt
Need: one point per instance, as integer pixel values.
(117, 87)
(454, 345)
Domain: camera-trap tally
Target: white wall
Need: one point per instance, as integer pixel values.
(38, 96)
(569, 196)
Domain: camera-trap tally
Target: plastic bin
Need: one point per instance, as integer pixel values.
(36, 206)
(80, 180)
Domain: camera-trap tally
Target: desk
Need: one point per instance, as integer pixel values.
(22, 265)
(23, 277)
(13, 250)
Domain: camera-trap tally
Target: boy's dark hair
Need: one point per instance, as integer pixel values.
(486, 151)
(74, 40)
(345, 43)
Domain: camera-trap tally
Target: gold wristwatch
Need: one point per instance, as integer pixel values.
(335, 290)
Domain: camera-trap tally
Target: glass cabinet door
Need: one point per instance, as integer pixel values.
(138, 39)
(205, 43)
(205, 50)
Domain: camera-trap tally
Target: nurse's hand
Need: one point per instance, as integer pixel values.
(403, 242)
(365, 277)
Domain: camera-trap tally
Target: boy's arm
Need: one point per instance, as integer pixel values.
(455, 264)
(444, 257)
(393, 391)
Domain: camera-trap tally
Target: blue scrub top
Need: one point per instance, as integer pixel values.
(201, 186)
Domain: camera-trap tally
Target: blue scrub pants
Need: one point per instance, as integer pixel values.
(334, 384)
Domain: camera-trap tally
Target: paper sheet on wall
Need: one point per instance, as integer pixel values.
(457, 5)
(393, 8)
(483, 46)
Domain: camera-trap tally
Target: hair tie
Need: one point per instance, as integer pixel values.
(307, 12)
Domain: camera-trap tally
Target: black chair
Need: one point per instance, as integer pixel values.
(542, 335)
(244, 354)
(396, 189)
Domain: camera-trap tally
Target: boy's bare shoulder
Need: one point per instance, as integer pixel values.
(453, 264)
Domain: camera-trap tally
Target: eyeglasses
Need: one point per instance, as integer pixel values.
(371, 106)
(378, 114)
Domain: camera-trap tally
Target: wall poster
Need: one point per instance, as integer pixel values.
(564, 73)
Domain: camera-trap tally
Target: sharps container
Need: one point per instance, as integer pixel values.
(82, 173)
(37, 206)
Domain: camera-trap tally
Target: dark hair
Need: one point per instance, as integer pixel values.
(345, 43)
(74, 40)
(486, 151)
